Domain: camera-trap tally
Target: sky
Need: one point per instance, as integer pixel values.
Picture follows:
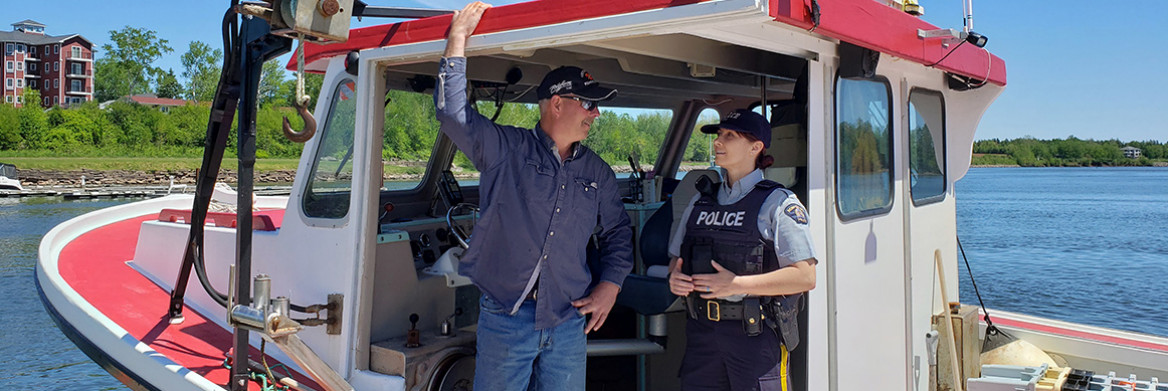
(1074, 68)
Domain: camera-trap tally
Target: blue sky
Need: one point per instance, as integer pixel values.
(1075, 68)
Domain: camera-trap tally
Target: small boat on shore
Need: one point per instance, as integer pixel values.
(8, 178)
(345, 284)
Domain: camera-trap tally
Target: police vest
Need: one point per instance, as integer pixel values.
(729, 235)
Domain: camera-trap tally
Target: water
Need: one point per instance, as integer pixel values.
(1085, 245)
(34, 355)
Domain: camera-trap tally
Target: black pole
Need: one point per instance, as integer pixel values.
(218, 127)
(259, 47)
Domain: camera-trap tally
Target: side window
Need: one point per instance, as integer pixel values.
(699, 152)
(863, 147)
(926, 146)
(327, 194)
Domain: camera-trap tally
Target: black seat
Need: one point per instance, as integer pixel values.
(649, 295)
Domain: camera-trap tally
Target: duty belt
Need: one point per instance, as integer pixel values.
(749, 311)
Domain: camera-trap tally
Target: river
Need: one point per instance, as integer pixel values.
(1086, 245)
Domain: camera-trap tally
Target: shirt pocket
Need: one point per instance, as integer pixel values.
(537, 182)
(587, 195)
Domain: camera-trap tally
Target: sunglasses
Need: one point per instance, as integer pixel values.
(588, 105)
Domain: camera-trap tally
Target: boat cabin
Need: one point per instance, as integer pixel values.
(873, 121)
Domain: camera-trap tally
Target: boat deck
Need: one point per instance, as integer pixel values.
(94, 264)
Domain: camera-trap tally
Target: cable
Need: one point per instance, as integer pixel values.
(990, 328)
(954, 49)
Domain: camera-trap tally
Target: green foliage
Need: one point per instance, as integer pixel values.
(201, 68)
(168, 86)
(1071, 152)
(272, 86)
(126, 68)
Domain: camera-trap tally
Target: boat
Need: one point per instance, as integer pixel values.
(8, 178)
(352, 279)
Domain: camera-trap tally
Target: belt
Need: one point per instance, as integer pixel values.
(531, 295)
(715, 310)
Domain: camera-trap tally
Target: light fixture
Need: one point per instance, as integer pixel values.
(976, 39)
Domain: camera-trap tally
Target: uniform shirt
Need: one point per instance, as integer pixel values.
(782, 219)
(537, 211)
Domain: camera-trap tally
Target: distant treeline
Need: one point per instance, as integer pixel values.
(128, 129)
(1071, 152)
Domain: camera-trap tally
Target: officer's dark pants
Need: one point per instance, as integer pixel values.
(720, 356)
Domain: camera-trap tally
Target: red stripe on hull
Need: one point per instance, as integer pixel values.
(94, 264)
(1077, 334)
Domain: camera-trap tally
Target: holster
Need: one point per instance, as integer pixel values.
(782, 314)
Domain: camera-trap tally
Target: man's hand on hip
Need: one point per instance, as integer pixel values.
(598, 304)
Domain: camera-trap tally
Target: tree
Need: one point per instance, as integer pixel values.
(272, 88)
(168, 86)
(126, 67)
(201, 68)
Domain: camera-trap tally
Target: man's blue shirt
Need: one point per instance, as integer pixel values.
(537, 213)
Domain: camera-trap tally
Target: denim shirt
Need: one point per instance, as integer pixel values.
(537, 212)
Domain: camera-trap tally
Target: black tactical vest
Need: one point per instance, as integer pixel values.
(729, 235)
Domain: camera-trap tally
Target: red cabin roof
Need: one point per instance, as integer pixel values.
(865, 23)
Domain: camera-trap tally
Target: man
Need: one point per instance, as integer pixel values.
(543, 195)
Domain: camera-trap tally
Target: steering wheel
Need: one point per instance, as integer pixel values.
(461, 230)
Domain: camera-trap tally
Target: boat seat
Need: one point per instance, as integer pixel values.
(648, 294)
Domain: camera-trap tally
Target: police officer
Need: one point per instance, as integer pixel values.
(741, 259)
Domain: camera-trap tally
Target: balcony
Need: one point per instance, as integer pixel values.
(82, 91)
(86, 57)
(87, 74)
(31, 75)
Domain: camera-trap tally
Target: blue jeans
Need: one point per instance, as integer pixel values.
(514, 356)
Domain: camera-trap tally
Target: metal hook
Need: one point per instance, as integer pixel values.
(305, 132)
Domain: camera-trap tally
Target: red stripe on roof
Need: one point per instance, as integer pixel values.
(866, 23)
(1020, 324)
(877, 26)
(495, 19)
(94, 264)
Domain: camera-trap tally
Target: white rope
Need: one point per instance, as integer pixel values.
(301, 97)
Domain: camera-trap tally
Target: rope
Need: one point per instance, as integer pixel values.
(301, 97)
(990, 328)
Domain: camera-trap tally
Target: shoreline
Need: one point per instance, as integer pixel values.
(39, 179)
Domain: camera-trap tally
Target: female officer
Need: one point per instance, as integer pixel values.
(742, 257)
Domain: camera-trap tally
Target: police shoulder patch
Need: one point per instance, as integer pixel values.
(797, 213)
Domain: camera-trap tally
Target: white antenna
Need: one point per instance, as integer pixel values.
(967, 7)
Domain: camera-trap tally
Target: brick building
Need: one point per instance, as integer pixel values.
(60, 67)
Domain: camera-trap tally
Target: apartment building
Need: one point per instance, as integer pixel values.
(60, 67)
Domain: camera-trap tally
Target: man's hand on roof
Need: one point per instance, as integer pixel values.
(462, 25)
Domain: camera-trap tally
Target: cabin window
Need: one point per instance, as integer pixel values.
(926, 146)
(699, 151)
(410, 130)
(327, 195)
(619, 132)
(863, 147)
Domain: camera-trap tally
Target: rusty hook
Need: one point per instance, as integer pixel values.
(305, 132)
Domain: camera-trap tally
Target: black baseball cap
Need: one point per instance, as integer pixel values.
(744, 121)
(572, 81)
